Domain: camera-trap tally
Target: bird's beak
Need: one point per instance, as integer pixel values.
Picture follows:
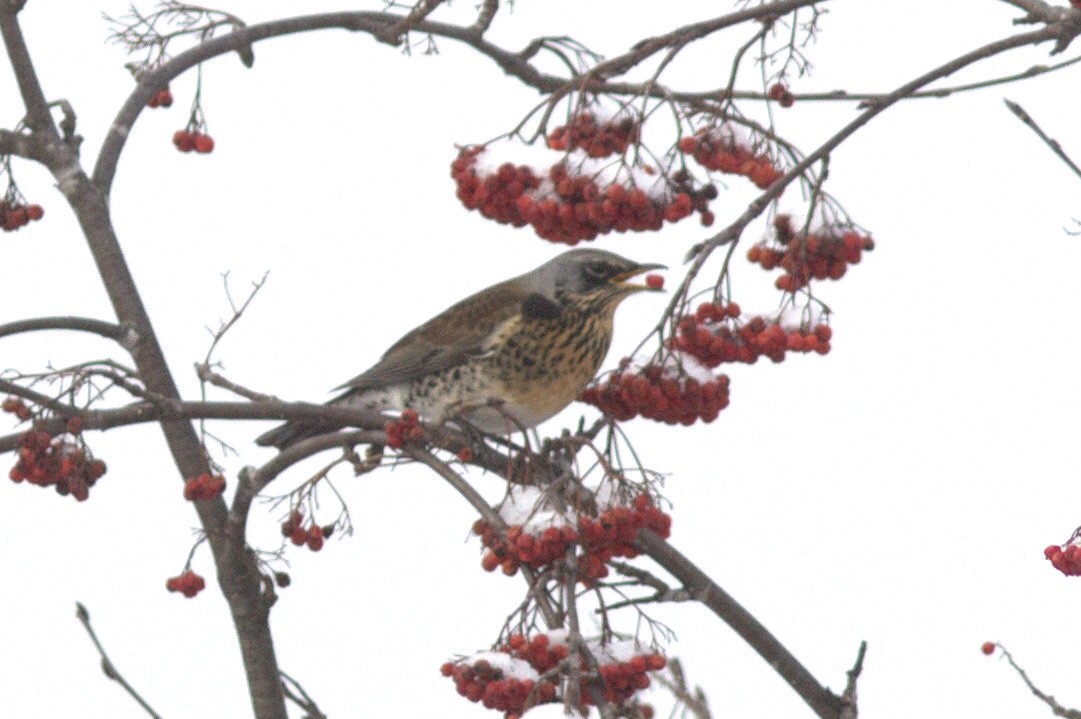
(620, 280)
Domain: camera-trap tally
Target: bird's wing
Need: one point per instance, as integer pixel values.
(446, 340)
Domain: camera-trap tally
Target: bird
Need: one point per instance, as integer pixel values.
(503, 359)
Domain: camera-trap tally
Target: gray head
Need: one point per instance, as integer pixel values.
(587, 271)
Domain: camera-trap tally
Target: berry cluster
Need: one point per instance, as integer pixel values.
(595, 139)
(404, 429)
(661, 393)
(781, 94)
(313, 535)
(15, 406)
(1066, 558)
(570, 205)
(205, 486)
(820, 255)
(486, 680)
(62, 464)
(188, 583)
(712, 337)
(623, 679)
(189, 139)
(15, 213)
(509, 679)
(161, 98)
(520, 546)
(611, 534)
(721, 151)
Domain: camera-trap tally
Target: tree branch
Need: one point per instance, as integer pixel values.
(108, 330)
(107, 665)
(824, 703)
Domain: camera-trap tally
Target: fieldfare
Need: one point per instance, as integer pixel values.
(504, 359)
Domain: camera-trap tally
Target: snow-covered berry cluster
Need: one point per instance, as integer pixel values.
(715, 335)
(1065, 558)
(404, 429)
(61, 462)
(527, 671)
(596, 138)
(313, 535)
(575, 198)
(539, 537)
(205, 486)
(499, 682)
(15, 213)
(520, 546)
(187, 583)
(719, 149)
(161, 98)
(677, 391)
(188, 139)
(823, 254)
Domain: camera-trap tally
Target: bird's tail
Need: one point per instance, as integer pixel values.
(288, 434)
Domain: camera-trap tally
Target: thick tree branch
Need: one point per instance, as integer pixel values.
(108, 330)
(824, 703)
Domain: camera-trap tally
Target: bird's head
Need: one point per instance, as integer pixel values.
(590, 273)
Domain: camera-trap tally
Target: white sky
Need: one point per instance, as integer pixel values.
(899, 490)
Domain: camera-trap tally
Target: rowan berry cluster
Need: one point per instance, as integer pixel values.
(161, 98)
(15, 213)
(661, 393)
(611, 534)
(507, 686)
(61, 463)
(781, 94)
(15, 406)
(720, 150)
(596, 139)
(404, 429)
(188, 583)
(820, 255)
(520, 546)
(510, 678)
(313, 535)
(569, 205)
(1065, 558)
(713, 337)
(190, 139)
(205, 486)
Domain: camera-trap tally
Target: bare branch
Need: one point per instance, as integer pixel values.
(109, 330)
(1056, 708)
(1047, 140)
(824, 703)
(107, 665)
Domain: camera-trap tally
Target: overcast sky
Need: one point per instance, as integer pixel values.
(899, 490)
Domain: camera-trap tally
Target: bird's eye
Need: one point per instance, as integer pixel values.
(598, 270)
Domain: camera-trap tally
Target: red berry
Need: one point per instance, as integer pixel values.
(654, 282)
(988, 648)
(203, 143)
(35, 212)
(184, 141)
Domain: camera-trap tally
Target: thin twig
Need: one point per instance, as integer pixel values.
(1047, 140)
(107, 665)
